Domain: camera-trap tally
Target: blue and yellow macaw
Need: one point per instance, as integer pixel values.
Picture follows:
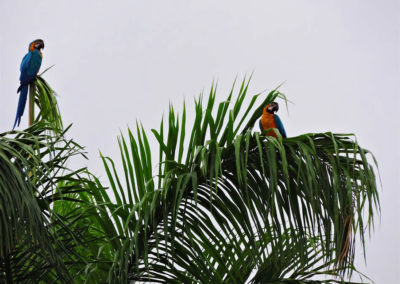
(271, 120)
(30, 66)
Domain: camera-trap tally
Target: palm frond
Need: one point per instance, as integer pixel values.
(42, 207)
(45, 100)
(236, 196)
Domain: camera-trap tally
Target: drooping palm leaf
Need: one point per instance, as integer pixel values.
(210, 214)
(45, 208)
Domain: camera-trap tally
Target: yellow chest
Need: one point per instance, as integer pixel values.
(268, 121)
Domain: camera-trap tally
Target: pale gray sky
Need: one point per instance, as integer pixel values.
(119, 61)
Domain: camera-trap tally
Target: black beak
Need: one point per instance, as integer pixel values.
(39, 43)
(275, 106)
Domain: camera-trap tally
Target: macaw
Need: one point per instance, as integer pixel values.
(271, 120)
(30, 66)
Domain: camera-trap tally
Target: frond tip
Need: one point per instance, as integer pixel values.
(45, 100)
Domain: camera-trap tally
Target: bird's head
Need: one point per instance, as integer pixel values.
(36, 44)
(273, 107)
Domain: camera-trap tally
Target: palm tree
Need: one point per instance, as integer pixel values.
(226, 204)
(33, 176)
(229, 205)
(47, 220)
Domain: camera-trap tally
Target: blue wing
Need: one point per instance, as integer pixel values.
(279, 125)
(24, 63)
(30, 66)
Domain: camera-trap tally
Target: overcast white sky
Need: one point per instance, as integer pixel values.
(119, 61)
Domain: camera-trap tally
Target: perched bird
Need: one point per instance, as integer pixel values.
(30, 66)
(271, 120)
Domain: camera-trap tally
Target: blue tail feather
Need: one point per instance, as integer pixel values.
(21, 105)
(21, 87)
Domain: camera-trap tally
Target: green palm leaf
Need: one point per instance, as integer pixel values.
(227, 208)
(43, 96)
(47, 218)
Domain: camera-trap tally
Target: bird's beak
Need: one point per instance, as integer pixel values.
(275, 107)
(39, 45)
